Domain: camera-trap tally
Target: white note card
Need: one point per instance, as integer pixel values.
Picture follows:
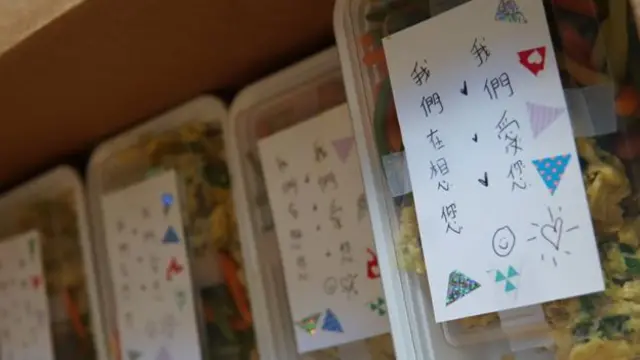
(150, 271)
(496, 178)
(25, 330)
(321, 216)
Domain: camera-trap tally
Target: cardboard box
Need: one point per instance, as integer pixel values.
(75, 71)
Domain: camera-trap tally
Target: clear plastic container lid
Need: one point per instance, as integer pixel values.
(597, 47)
(271, 105)
(54, 206)
(188, 140)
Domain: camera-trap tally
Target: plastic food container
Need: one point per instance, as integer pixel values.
(189, 140)
(273, 104)
(598, 50)
(54, 205)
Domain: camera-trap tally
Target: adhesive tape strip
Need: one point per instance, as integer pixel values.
(397, 173)
(530, 317)
(592, 110)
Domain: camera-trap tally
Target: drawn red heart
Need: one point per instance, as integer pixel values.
(534, 59)
(36, 281)
(174, 268)
(373, 270)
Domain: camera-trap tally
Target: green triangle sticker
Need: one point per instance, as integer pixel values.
(508, 287)
(500, 276)
(512, 272)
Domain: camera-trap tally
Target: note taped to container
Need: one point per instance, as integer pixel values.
(150, 271)
(321, 217)
(496, 178)
(25, 330)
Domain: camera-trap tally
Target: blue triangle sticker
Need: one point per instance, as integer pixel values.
(508, 287)
(500, 276)
(171, 236)
(331, 322)
(512, 272)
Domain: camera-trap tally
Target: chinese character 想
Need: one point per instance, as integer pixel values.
(444, 185)
(428, 103)
(421, 73)
(516, 174)
(492, 86)
(435, 140)
(449, 215)
(480, 51)
(440, 167)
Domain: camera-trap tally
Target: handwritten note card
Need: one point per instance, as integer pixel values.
(501, 205)
(324, 232)
(25, 330)
(150, 270)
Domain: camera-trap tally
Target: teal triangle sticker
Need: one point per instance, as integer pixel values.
(500, 276)
(508, 287)
(512, 272)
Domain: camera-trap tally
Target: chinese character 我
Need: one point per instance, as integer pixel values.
(428, 103)
(420, 73)
(480, 51)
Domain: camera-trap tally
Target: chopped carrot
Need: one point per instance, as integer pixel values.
(627, 101)
(230, 274)
(74, 314)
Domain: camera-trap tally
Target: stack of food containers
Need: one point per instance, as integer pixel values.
(54, 207)
(598, 49)
(269, 106)
(189, 141)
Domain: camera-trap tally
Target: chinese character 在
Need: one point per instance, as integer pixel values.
(440, 167)
(435, 140)
(493, 86)
(480, 51)
(431, 102)
(449, 215)
(421, 73)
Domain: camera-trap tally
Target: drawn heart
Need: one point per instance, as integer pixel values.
(535, 58)
(553, 233)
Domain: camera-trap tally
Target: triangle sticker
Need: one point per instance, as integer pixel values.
(500, 276)
(512, 272)
(551, 170)
(509, 287)
(309, 324)
(508, 11)
(541, 117)
(171, 236)
(331, 322)
(343, 147)
(459, 286)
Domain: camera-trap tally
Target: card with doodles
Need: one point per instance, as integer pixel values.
(490, 149)
(324, 232)
(25, 331)
(149, 265)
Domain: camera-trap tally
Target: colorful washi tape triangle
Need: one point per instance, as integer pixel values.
(343, 147)
(551, 170)
(171, 236)
(509, 11)
(541, 117)
(331, 322)
(460, 286)
(309, 324)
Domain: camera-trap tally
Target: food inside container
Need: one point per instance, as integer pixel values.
(189, 140)
(598, 53)
(266, 108)
(53, 206)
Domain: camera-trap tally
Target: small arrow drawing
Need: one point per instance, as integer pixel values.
(484, 181)
(464, 89)
(475, 138)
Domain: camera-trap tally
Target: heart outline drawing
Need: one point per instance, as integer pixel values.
(553, 233)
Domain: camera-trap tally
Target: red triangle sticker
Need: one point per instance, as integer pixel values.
(534, 59)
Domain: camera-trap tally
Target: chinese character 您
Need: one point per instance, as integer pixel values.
(430, 102)
(480, 51)
(440, 167)
(449, 215)
(492, 86)
(420, 73)
(435, 140)
(516, 174)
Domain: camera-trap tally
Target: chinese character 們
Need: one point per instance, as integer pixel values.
(492, 87)
(428, 103)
